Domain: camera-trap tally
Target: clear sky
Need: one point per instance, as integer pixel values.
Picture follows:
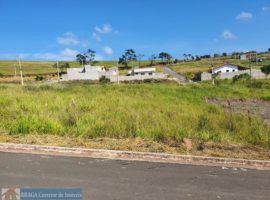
(59, 29)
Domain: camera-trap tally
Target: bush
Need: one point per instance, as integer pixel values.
(241, 77)
(39, 78)
(104, 79)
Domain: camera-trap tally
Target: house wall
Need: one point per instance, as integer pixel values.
(256, 74)
(138, 77)
(78, 74)
(143, 73)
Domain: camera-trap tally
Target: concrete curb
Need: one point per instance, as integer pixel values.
(134, 156)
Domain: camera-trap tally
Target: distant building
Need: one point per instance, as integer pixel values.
(243, 57)
(226, 68)
(142, 72)
(246, 56)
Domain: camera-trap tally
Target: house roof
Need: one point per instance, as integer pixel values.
(228, 64)
(10, 192)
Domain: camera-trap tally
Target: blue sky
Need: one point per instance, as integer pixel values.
(59, 29)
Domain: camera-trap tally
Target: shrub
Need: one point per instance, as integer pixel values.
(266, 70)
(241, 77)
(39, 78)
(104, 79)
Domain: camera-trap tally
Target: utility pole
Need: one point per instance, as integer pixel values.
(20, 65)
(250, 73)
(117, 72)
(58, 76)
(15, 71)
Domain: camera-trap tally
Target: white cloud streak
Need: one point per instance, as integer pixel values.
(108, 50)
(96, 37)
(244, 16)
(266, 8)
(106, 28)
(228, 35)
(101, 30)
(66, 54)
(68, 39)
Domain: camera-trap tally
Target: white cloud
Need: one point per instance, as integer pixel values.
(266, 8)
(106, 28)
(96, 37)
(102, 30)
(66, 54)
(244, 16)
(108, 50)
(7, 56)
(228, 35)
(69, 53)
(68, 39)
(85, 43)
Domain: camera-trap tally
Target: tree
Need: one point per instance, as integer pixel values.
(165, 57)
(162, 56)
(168, 57)
(206, 56)
(81, 59)
(224, 54)
(269, 49)
(128, 56)
(62, 66)
(266, 70)
(185, 56)
(197, 58)
(90, 56)
(153, 59)
(87, 58)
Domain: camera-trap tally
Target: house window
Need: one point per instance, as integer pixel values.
(142, 73)
(227, 70)
(150, 73)
(233, 70)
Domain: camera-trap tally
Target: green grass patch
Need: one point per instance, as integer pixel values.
(164, 113)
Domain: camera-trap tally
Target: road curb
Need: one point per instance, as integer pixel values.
(135, 156)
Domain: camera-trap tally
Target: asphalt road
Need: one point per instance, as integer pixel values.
(113, 179)
(180, 78)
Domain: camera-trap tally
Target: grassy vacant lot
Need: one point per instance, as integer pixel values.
(153, 117)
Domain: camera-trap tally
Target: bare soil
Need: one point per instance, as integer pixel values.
(249, 106)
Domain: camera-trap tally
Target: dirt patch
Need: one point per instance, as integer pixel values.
(249, 106)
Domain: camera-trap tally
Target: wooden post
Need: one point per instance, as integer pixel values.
(58, 76)
(15, 70)
(20, 65)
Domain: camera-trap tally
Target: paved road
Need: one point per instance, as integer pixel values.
(113, 179)
(180, 78)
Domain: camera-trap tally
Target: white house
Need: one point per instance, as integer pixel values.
(227, 71)
(226, 68)
(142, 72)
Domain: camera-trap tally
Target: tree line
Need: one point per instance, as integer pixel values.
(129, 56)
